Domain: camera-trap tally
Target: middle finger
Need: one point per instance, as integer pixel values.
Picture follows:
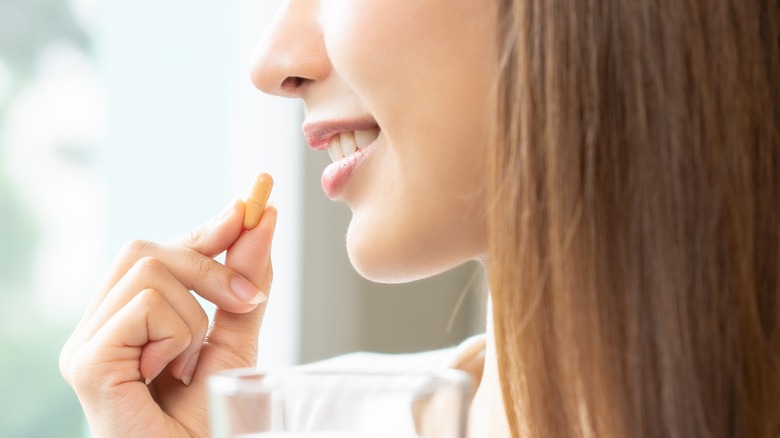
(150, 273)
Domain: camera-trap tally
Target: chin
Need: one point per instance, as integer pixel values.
(381, 261)
(371, 263)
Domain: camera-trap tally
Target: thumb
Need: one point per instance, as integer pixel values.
(249, 256)
(216, 235)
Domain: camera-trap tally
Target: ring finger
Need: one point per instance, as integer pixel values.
(150, 273)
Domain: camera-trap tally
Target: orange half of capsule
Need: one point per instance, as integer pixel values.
(255, 202)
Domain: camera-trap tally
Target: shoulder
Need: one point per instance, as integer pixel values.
(458, 356)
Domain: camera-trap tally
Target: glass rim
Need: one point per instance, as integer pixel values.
(256, 381)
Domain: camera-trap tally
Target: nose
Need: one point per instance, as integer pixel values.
(291, 54)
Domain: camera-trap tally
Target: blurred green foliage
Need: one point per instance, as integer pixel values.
(17, 233)
(35, 400)
(27, 26)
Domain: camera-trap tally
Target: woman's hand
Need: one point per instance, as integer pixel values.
(140, 356)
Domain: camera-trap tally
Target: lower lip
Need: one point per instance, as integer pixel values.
(337, 174)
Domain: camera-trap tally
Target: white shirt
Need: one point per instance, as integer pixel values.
(307, 412)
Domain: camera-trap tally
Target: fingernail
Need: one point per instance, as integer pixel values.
(246, 291)
(155, 374)
(259, 298)
(189, 370)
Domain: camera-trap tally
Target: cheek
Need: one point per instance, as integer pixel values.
(385, 41)
(347, 29)
(414, 61)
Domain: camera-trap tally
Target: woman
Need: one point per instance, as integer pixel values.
(614, 164)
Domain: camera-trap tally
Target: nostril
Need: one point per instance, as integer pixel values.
(292, 83)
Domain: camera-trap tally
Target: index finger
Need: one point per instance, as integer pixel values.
(210, 279)
(216, 235)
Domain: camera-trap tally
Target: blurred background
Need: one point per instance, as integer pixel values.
(123, 120)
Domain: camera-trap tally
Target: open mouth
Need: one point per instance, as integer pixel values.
(345, 144)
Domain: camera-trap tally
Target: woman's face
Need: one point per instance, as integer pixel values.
(407, 83)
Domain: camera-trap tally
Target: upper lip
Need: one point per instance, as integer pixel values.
(319, 133)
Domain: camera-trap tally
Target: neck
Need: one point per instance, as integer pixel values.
(487, 416)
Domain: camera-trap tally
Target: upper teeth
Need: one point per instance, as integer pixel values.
(346, 143)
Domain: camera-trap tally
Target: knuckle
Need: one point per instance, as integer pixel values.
(149, 299)
(78, 371)
(149, 265)
(147, 270)
(180, 332)
(64, 362)
(136, 249)
(195, 237)
(204, 266)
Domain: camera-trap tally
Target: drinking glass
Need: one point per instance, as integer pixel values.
(298, 403)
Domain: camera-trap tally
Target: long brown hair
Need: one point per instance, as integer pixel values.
(635, 217)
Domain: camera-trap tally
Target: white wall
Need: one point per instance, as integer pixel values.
(188, 132)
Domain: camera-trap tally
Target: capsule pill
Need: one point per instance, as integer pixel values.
(255, 202)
